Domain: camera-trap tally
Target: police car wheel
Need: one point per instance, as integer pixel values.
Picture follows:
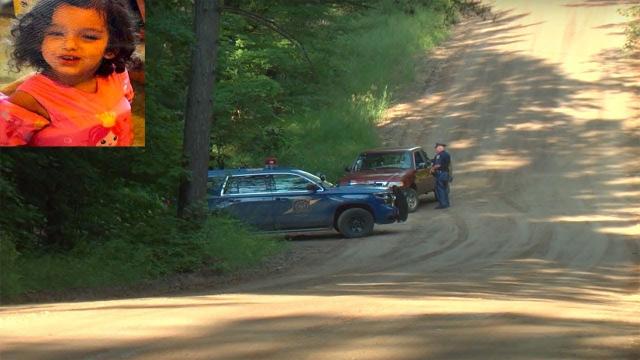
(355, 222)
(412, 199)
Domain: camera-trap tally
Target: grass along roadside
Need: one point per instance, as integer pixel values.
(221, 246)
(375, 58)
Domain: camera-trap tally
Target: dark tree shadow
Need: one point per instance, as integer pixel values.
(420, 336)
(600, 3)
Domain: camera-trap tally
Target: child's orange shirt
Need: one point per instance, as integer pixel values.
(76, 118)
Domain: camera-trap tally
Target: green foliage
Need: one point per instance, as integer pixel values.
(633, 28)
(95, 217)
(10, 284)
(24, 216)
(91, 265)
(68, 210)
(269, 101)
(228, 245)
(221, 244)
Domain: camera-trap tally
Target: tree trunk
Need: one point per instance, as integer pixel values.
(199, 111)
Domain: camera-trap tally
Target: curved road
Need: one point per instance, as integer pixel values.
(539, 257)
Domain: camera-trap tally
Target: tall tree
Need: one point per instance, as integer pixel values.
(199, 111)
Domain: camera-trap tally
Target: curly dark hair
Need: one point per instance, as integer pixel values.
(28, 33)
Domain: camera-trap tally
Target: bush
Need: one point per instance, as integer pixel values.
(221, 244)
(228, 245)
(633, 28)
(10, 284)
(111, 263)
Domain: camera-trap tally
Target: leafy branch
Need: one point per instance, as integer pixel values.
(633, 27)
(271, 25)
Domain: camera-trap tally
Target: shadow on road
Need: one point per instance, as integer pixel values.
(419, 336)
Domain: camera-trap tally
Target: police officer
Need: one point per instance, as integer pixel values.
(440, 169)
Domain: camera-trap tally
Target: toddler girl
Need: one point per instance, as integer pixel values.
(80, 48)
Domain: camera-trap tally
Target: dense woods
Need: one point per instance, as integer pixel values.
(302, 81)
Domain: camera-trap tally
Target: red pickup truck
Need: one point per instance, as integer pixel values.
(407, 168)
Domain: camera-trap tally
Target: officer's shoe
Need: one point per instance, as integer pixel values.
(441, 207)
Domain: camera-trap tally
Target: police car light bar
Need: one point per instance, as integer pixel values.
(270, 162)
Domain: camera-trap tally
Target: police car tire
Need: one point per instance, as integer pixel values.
(411, 193)
(355, 222)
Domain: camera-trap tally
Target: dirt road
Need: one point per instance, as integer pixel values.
(538, 258)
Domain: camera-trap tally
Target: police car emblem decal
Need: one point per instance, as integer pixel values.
(300, 205)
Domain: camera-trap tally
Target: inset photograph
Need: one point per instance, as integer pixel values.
(72, 73)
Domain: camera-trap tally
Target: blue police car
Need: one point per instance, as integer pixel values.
(289, 200)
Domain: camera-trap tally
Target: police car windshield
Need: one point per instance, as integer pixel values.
(396, 160)
(316, 179)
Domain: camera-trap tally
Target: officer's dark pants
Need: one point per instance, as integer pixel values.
(442, 188)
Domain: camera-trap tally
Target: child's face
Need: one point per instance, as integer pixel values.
(75, 43)
(110, 139)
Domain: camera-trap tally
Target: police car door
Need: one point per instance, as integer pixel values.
(298, 207)
(249, 198)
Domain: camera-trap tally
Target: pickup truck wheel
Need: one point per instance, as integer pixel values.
(412, 199)
(355, 222)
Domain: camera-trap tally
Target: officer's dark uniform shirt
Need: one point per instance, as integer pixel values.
(443, 159)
